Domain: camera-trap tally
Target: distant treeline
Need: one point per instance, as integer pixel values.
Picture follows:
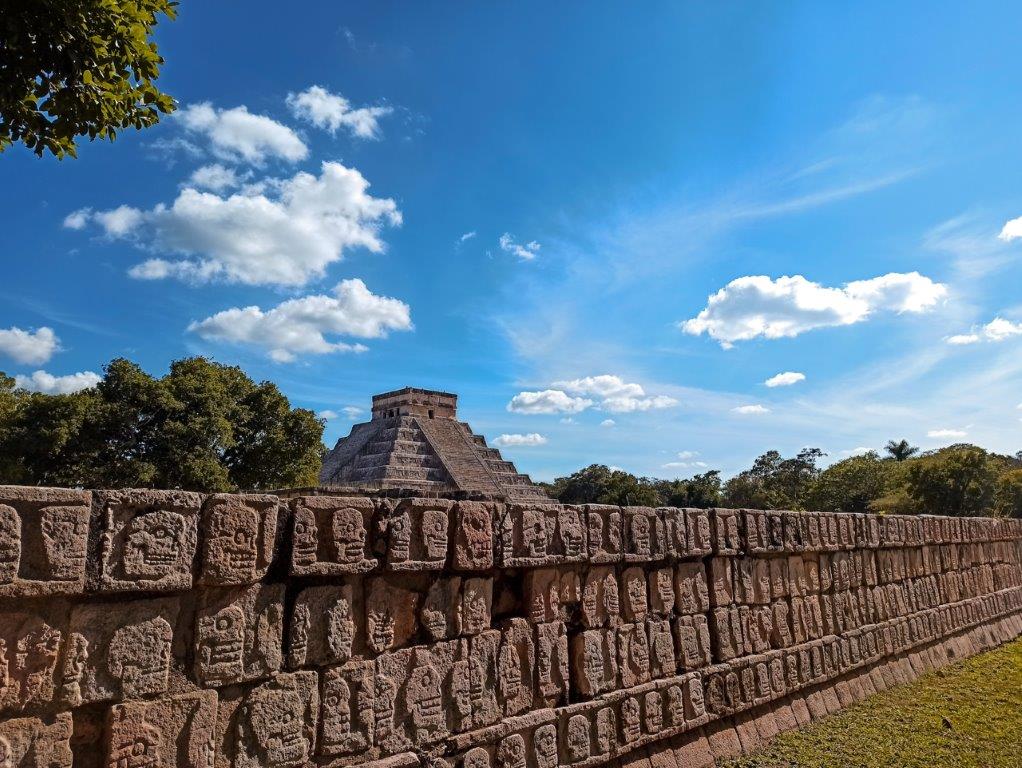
(960, 480)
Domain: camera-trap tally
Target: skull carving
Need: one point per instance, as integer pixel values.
(594, 522)
(476, 758)
(400, 537)
(631, 725)
(569, 525)
(511, 752)
(155, 544)
(275, 716)
(64, 530)
(437, 609)
(300, 624)
(74, 668)
(221, 644)
(675, 706)
(434, 534)
(611, 598)
(139, 748)
(340, 735)
(605, 726)
(509, 672)
(640, 533)
(349, 535)
(545, 740)
(578, 738)
(234, 540)
(10, 544)
(140, 657)
(476, 601)
(424, 700)
(305, 541)
(475, 537)
(341, 629)
(534, 533)
(654, 712)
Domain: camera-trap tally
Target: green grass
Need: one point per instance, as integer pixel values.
(904, 727)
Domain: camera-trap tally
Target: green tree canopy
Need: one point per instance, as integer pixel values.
(957, 481)
(71, 68)
(203, 426)
(774, 482)
(850, 485)
(599, 484)
(899, 450)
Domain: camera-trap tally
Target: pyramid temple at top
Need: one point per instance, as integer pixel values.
(415, 442)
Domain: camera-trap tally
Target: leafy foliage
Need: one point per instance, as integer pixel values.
(203, 426)
(899, 450)
(71, 68)
(850, 485)
(774, 482)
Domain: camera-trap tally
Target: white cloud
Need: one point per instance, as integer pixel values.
(547, 401)
(785, 379)
(686, 455)
(467, 236)
(759, 306)
(858, 451)
(615, 394)
(331, 111)
(529, 440)
(568, 420)
(996, 330)
(327, 415)
(750, 410)
(215, 177)
(352, 411)
(608, 423)
(526, 252)
(301, 326)
(41, 381)
(237, 134)
(939, 433)
(285, 234)
(685, 465)
(28, 347)
(77, 219)
(1012, 230)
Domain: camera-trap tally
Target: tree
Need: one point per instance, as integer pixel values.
(774, 482)
(899, 450)
(71, 68)
(203, 426)
(1008, 496)
(599, 484)
(702, 491)
(850, 485)
(958, 481)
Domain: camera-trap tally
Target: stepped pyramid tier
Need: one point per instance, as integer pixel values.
(415, 442)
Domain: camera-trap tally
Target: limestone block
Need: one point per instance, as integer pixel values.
(476, 605)
(330, 535)
(277, 722)
(606, 730)
(662, 659)
(630, 719)
(484, 678)
(542, 534)
(31, 643)
(721, 583)
(346, 710)
(323, 626)
(176, 732)
(692, 640)
(700, 538)
(661, 591)
(441, 613)
(544, 746)
(778, 578)
(516, 666)
(551, 663)
(36, 742)
(600, 597)
(796, 531)
(594, 661)
(604, 533)
(43, 540)
(632, 654)
(542, 593)
(675, 525)
(728, 633)
(511, 752)
(577, 739)
(726, 530)
(239, 634)
(636, 600)
(473, 535)
(391, 613)
(238, 534)
(418, 531)
(119, 651)
(148, 540)
(644, 535)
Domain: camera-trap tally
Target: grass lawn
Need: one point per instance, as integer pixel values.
(981, 699)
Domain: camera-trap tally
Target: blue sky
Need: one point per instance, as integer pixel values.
(532, 204)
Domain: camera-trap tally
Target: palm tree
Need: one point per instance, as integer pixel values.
(900, 450)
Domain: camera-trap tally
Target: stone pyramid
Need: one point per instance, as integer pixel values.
(415, 442)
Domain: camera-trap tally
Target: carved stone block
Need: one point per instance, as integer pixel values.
(43, 540)
(418, 531)
(33, 742)
(700, 538)
(30, 645)
(441, 613)
(238, 536)
(476, 605)
(516, 665)
(726, 532)
(119, 651)
(605, 537)
(484, 678)
(551, 663)
(652, 713)
(632, 654)
(239, 634)
(542, 593)
(631, 721)
(330, 535)
(661, 591)
(721, 584)
(645, 538)
(346, 709)
(473, 535)
(578, 739)
(511, 752)
(594, 661)
(542, 534)
(636, 600)
(544, 746)
(323, 626)
(691, 593)
(601, 604)
(692, 638)
(390, 615)
(276, 724)
(728, 634)
(148, 541)
(662, 659)
(176, 732)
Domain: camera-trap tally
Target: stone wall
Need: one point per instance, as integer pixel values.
(154, 629)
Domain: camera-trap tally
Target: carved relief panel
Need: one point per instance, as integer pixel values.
(473, 535)
(174, 732)
(239, 634)
(238, 535)
(330, 535)
(323, 626)
(276, 723)
(417, 534)
(30, 645)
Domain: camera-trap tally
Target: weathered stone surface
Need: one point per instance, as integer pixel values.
(473, 536)
(31, 643)
(390, 615)
(330, 535)
(346, 718)
(148, 540)
(276, 724)
(177, 732)
(323, 628)
(239, 634)
(32, 742)
(238, 537)
(418, 531)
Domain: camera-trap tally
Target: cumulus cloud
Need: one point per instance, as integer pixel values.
(301, 326)
(547, 401)
(614, 394)
(352, 411)
(327, 415)
(996, 330)
(940, 433)
(608, 423)
(525, 441)
(1011, 230)
(526, 252)
(216, 178)
(77, 219)
(331, 111)
(236, 134)
(760, 306)
(28, 347)
(41, 381)
(750, 410)
(785, 379)
(285, 234)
